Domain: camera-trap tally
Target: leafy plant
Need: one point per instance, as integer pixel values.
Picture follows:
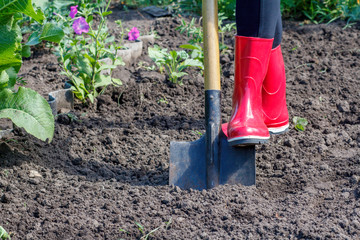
(88, 61)
(224, 28)
(197, 51)
(300, 123)
(321, 11)
(173, 62)
(3, 234)
(25, 107)
(192, 30)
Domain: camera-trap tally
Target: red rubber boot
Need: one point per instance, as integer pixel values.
(275, 112)
(246, 126)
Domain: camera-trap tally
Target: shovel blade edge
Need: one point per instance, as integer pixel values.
(237, 164)
(188, 164)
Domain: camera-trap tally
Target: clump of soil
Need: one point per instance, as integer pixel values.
(107, 166)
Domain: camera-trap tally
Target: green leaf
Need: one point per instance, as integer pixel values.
(104, 67)
(89, 18)
(34, 39)
(3, 234)
(189, 46)
(183, 54)
(117, 81)
(52, 33)
(173, 54)
(300, 123)
(10, 7)
(29, 110)
(41, 3)
(10, 44)
(158, 55)
(177, 74)
(11, 72)
(26, 51)
(102, 80)
(193, 63)
(84, 65)
(4, 80)
(104, 14)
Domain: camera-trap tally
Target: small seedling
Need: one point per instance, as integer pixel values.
(6, 173)
(3, 234)
(162, 100)
(294, 48)
(144, 235)
(197, 132)
(300, 123)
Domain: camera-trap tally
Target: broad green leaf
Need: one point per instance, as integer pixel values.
(52, 33)
(12, 73)
(102, 80)
(10, 44)
(157, 55)
(34, 39)
(84, 65)
(26, 51)
(183, 54)
(193, 63)
(29, 110)
(10, 7)
(4, 80)
(91, 59)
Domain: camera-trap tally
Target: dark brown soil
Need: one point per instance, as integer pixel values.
(107, 166)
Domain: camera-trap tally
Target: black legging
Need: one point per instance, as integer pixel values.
(259, 18)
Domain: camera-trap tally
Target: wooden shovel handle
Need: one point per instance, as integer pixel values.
(211, 45)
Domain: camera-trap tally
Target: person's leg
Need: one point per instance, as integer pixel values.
(274, 107)
(257, 18)
(256, 25)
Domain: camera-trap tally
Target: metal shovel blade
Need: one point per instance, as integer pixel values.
(188, 164)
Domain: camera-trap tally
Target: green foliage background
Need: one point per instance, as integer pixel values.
(314, 10)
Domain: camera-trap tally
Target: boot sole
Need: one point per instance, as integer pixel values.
(248, 141)
(279, 130)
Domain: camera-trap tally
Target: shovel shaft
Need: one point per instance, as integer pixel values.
(212, 91)
(211, 45)
(212, 143)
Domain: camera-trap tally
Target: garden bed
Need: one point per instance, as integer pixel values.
(107, 166)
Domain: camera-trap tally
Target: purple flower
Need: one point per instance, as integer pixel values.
(80, 26)
(73, 11)
(133, 34)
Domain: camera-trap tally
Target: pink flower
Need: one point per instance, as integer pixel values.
(80, 26)
(133, 34)
(73, 11)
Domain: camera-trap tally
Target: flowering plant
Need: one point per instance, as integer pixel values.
(134, 34)
(88, 55)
